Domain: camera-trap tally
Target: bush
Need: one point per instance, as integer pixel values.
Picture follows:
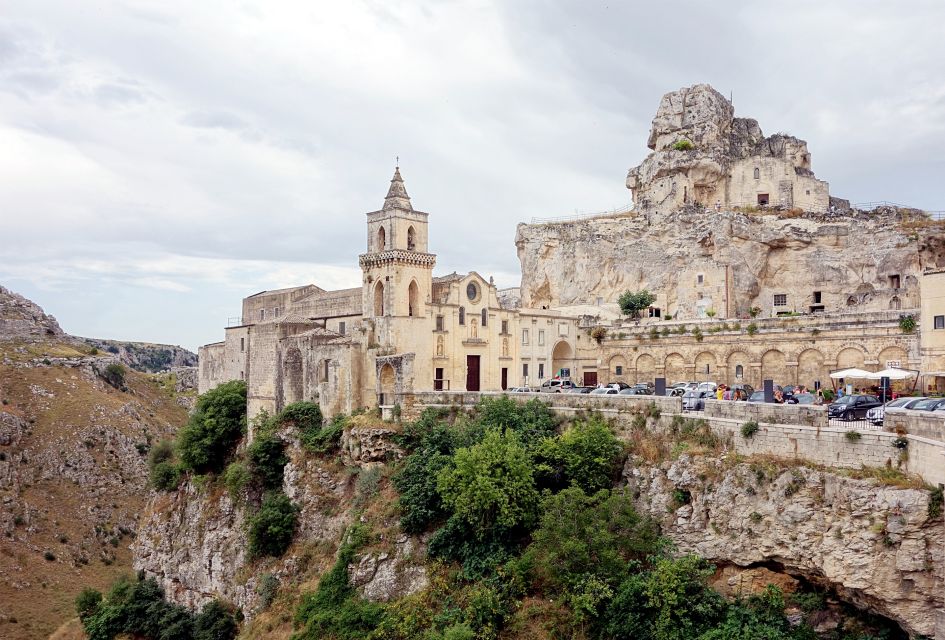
(828, 394)
(697, 334)
(327, 438)
(114, 375)
(533, 421)
(214, 622)
(165, 476)
(599, 333)
(749, 429)
(217, 424)
(581, 535)
(267, 588)
(936, 501)
(272, 527)
(491, 485)
(87, 602)
(163, 451)
(907, 323)
(853, 436)
(267, 460)
(751, 329)
(306, 416)
(633, 302)
(683, 145)
(586, 455)
(236, 477)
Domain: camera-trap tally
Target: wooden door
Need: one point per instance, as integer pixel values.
(590, 378)
(505, 378)
(472, 373)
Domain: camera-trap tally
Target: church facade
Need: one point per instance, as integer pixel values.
(402, 330)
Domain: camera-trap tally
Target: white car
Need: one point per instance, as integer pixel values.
(556, 386)
(519, 390)
(605, 391)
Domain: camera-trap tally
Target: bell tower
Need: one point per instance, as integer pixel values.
(397, 269)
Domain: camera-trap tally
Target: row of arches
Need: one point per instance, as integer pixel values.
(483, 316)
(743, 366)
(413, 299)
(382, 239)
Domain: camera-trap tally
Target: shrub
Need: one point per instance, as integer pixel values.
(459, 631)
(586, 455)
(114, 375)
(165, 476)
(87, 602)
(599, 333)
(936, 500)
(327, 438)
(433, 442)
(710, 313)
(272, 527)
(533, 421)
(683, 145)
(697, 334)
(667, 317)
(751, 329)
(267, 588)
(654, 333)
(749, 429)
(754, 312)
(491, 484)
(907, 323)
(217, 424)
(681, 497)
(632, 303)
(853, 436)
(235, 478)
(163, 451)
(267, 459)
(901, 443)
(214, 622)
(306, 416)
(828, 394)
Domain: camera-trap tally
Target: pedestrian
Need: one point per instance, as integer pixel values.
(720, 392)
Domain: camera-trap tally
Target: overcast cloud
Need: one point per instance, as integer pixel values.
(161, 160)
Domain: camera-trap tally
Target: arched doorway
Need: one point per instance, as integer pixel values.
(849, 358)
(707, 360)
(379, 299)
(618, 367)
(738, 371)
(890, 356)
(646, 368)
(413, 299)
(562, 357)
(388, 385)
(292, 376)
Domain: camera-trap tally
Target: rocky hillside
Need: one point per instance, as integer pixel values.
(145, 356)
(22, 319)
(848, 258)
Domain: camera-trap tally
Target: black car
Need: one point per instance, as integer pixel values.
(852, 407)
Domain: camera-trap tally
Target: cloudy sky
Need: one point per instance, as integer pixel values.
(160, 160)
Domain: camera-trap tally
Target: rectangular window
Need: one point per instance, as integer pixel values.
(780, 299)
(940, 322)
(439, 323)
(817, 297)
(525, 370)
(242, 344)
(505, 326)
(524, 336)
(541, 339)
(341, 328)
(894, 282)
(618, 370)
(600, 301)
(700, 279)
(438, 379)
(653, 312)
(541, 370)
(275, 312)
(262, 315)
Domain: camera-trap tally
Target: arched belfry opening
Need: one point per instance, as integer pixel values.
(379, 299)
(413, 299)
(411, 238)
(381, 239)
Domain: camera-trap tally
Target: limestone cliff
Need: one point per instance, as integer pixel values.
(22, 318)
(875, 546)
(743, 258)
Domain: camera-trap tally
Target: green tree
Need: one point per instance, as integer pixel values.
(267, 459)
(215, 622)
(87, 602)
(586, 454)
(217, 424)
(272, 528)
(492, 484)
(533, 421)
(633, 302)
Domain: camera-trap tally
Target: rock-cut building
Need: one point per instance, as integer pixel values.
(403, 329)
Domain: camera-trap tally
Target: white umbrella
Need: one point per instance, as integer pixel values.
(851, 373)
(893, 373)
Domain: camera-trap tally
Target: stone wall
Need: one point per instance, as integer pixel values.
(928, 424)
(795, 414)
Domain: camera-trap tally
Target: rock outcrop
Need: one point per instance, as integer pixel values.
(23, 319)
(875, 546)
(147, 357)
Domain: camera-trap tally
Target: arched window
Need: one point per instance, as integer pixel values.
(462, 315)
(413, 299)
(485, 317)
(757, 173)
(739, 371)
(411, 239)
(895, 303)
(379, 299)
(381, 239)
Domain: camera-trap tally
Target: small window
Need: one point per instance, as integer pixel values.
(505, 326)
(242, 376)
(524, 336)
(940, 322)
(275, 312)
(763, 199)
(462, 315)
(438, 379)
(439, 323)
(780, 299)
(894, 282)
(808, 192)
(618, 370)
(262, 315)
(485, 317)
(541, 337)
(817, 297)
(895, 303)
(242, 344)
(700, 279)
(739, 371)
(757, 173)
(541, 370)
(653, 312)
(341, 327)
(525, 370)
(600, 301)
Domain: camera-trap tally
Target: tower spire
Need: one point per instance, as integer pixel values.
(397, 197)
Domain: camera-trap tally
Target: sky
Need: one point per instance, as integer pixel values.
(161, 160)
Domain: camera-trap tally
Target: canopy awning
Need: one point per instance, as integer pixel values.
(894, 373)
(852, 373)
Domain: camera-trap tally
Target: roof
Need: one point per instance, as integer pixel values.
(397, 197)
(270, 292)
(452, 277)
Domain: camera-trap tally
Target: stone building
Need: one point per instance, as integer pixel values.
(403, 329)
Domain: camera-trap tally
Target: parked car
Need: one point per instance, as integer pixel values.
(556, 386)
(676, 391)
(852, 407)
(876, 415)
(582, 389)
(929, 404)
(707, 386)
(805, 398)
(519, 390)
(742, 391)
(695, 400)
(604, 391)
(634, 391)
(647, 387)
(617, 385)
(757, 396)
